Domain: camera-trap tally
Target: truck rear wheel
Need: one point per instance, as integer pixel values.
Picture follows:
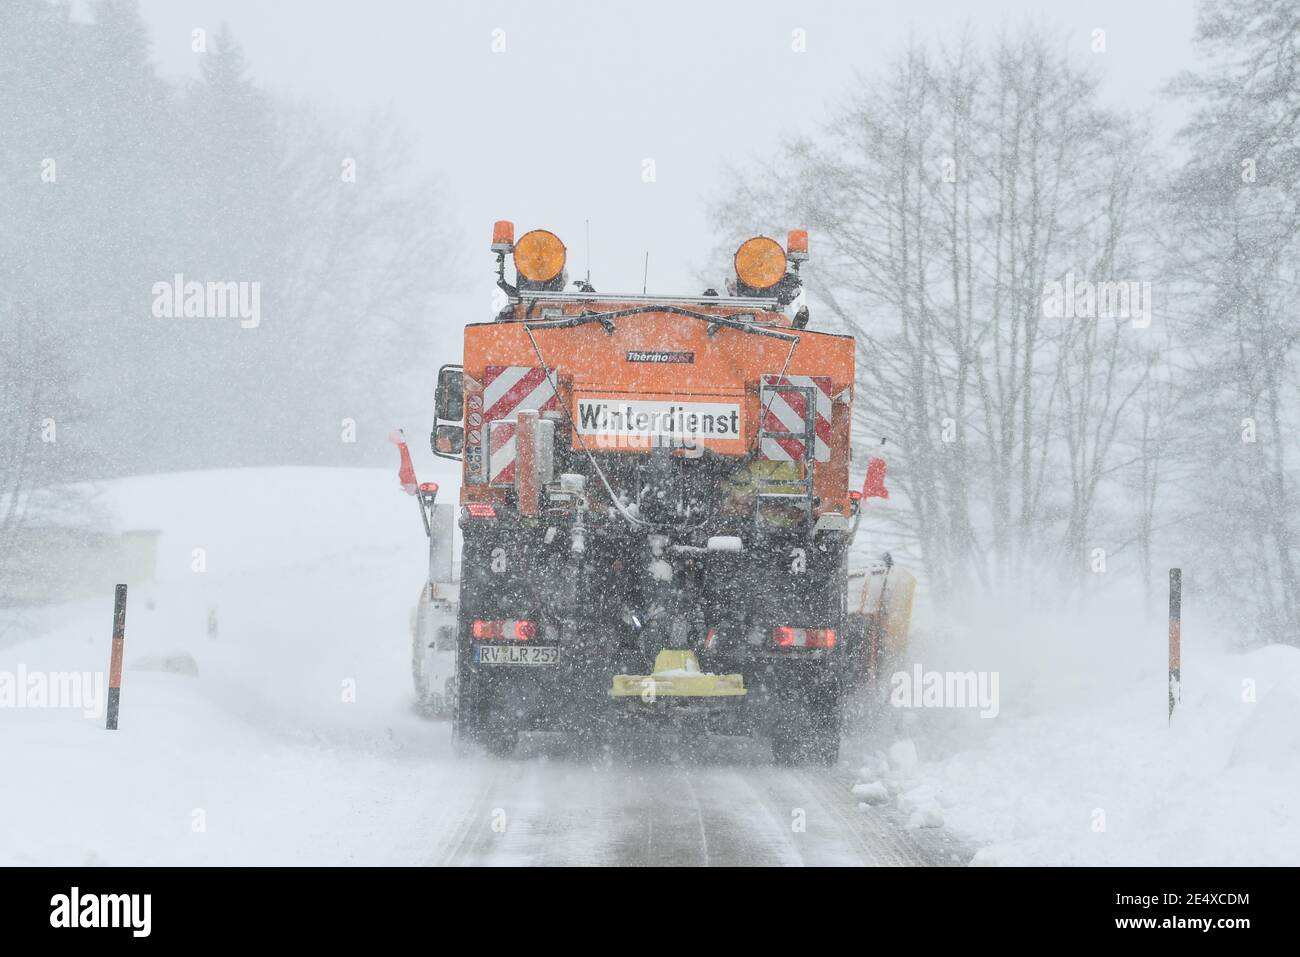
(428, 699)
(475, 725)
(809, 733)
(819, 748)
(500, 743)
(464, 729)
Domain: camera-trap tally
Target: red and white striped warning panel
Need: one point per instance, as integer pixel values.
(507, 390)
(785, 413)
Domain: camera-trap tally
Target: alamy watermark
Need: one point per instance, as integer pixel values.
(945, 689)
(1085, 299)
(130, 911)
(180, 299)
(82, 690)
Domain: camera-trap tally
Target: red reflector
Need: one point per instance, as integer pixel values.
(480, 510)
(430, 488)
(855, 496)
(525, 630)
(784, 637)
(710, 638)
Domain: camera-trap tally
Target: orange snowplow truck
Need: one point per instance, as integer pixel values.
(655, 506)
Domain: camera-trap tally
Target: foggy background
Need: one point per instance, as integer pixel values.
(553, 130)
(350, 160)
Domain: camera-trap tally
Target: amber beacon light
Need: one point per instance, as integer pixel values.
(539, 256)
(760, 262)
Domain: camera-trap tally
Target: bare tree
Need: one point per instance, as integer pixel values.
(1236, 205)
(945, 196)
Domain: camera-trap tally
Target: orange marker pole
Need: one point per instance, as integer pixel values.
(115, 663)
(1175, 638)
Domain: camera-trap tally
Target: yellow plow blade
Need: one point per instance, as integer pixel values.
(890, 596)
(677, 674)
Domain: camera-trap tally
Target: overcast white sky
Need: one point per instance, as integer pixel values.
(555, 129)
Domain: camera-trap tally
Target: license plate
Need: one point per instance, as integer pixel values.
(516, 654)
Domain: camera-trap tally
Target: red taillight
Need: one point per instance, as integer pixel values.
(512, 629)
(783, 636)
(487, 629)
(480, 510)
(821, 638)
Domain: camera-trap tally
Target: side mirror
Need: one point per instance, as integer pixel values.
(448, 440)
(448, 437)
(449, 399)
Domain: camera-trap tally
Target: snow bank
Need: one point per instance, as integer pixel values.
(1082, 767)
(258, 738)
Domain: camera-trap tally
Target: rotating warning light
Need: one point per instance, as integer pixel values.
(503, 236)
(796, 245)
(539, 256)
(760, 262)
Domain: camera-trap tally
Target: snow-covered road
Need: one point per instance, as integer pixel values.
(700, 812)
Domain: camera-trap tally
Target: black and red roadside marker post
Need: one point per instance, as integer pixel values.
(1175, 638)
(115, 662)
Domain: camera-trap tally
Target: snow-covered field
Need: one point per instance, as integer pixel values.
(301, 702)
(288, 735)
(1081, 765)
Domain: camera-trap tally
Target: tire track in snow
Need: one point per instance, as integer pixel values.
(464, 841)
(565, 812)
(777, 814)
(699, 817)
(881, 831)
(824, 837)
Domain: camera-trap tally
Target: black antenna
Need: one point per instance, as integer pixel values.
(588, 280)
(645, 278)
